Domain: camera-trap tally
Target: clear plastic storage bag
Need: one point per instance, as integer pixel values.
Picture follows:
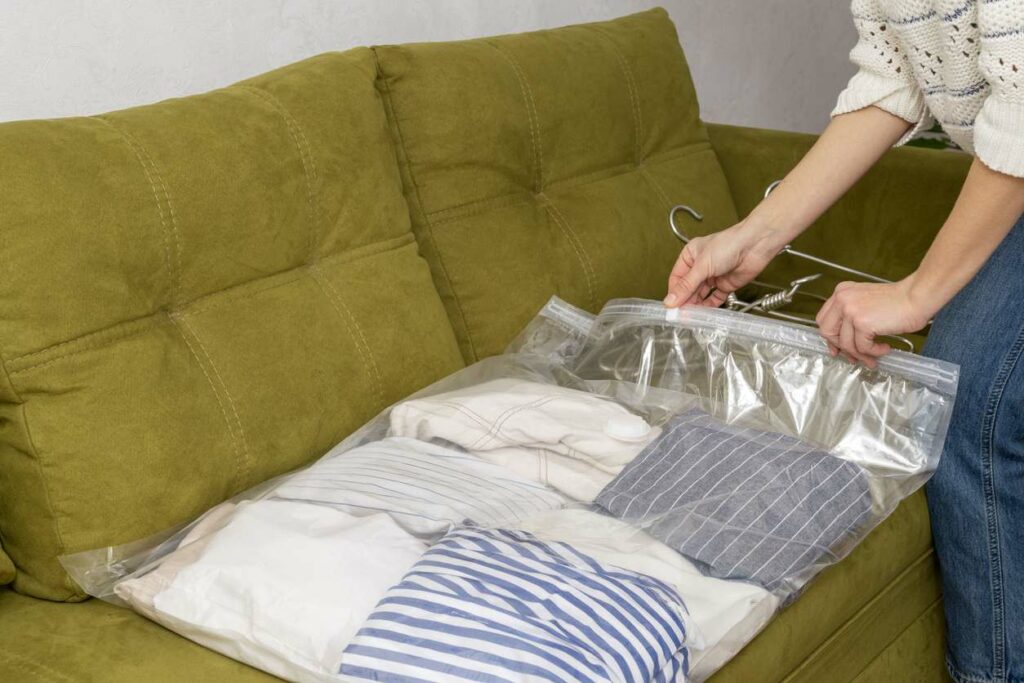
(624, 497)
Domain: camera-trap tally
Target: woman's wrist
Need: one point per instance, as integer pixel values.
(926, 295)
(764, 234)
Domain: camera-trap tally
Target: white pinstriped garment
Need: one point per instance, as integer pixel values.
(425, 487)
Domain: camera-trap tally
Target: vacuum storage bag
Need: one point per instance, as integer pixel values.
(626, 497)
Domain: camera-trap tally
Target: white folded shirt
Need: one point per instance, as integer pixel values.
(573, 441)
(727, 614)
(283, 586)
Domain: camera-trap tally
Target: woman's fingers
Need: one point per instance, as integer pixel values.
(828, 325)
(867, 346)
(846, 344)
(684, 289)
(687, 275)
(704, 291)
(852, 343)
(838, 331)
(717, 298)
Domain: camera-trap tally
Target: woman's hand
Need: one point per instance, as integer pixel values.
(710, 268)
(859, 312)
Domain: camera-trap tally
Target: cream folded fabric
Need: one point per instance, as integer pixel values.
(573, 441)
(283, 586)
(140, 592)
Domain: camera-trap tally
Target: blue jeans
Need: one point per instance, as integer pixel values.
(976, 497)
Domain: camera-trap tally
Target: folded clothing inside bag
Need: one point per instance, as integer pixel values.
(281, 585)
(573, 441)
(501, 605)
(726, 614)
(742, 503)
(426, 487)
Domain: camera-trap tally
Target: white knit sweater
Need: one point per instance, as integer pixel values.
(959, 61)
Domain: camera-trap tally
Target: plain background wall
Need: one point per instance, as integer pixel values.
(769, 63)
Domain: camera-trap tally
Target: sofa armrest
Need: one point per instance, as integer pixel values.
(883, 225)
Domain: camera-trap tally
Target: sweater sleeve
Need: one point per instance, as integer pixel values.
(999, 127)
(884, 78)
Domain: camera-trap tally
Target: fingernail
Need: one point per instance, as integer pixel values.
(671, 300)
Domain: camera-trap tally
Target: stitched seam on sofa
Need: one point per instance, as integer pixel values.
(31, 667)
(573, 240)
(531, 115)
(309, 169)
(485, 206)
(634, 95)
(326, 286)
(155, 178)
(233, 293)
(656, 186)
(116, 332)
(935, 607)
(404, 160)
(242, 457)
(479, 206)
(215, 299)
(928, 556)
(245, 292)
(334, 298)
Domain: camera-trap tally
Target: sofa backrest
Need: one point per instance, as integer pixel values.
(546, 163)
(196, 296)
(203, 293)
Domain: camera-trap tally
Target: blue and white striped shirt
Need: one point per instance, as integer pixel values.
(502, 606)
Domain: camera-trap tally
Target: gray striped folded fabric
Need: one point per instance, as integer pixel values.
(742, 503)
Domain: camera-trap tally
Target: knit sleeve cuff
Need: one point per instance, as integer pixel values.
(899, 98)
(999, 136)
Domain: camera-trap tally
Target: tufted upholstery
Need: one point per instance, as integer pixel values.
(196, 296)
(201, 293)
(546, 163)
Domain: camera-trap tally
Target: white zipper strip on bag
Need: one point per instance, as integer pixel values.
(938, 375)
(569, 317)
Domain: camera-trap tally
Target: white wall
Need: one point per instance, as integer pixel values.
(771, 63)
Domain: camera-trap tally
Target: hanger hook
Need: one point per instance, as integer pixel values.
(676, 230)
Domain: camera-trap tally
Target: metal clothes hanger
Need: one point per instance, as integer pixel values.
(771, 303)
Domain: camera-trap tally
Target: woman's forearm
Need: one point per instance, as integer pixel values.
(988, 206)
(850, 145)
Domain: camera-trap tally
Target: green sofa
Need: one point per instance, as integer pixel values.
(200, 294)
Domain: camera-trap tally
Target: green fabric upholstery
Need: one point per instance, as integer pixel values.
(6, 568)
(203, 293)
(93, 642)
(198, 295)
(545, 163)
(917, 654)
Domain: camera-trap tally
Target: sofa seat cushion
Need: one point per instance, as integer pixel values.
(93, 642)
(845, 618)
(545, 163)
(196, 296)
